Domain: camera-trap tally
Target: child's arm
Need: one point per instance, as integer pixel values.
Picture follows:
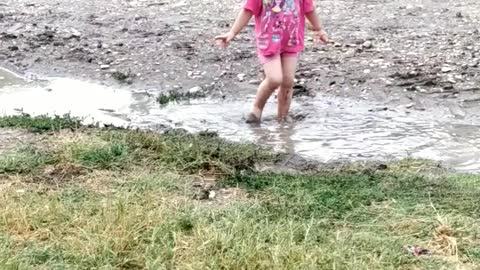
(312, 17)
(242, 19)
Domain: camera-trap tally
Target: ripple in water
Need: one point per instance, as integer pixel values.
(333, 129)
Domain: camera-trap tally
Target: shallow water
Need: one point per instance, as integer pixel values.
(8, 78)
(333, 129)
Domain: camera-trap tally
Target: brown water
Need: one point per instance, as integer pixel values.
(333, 129)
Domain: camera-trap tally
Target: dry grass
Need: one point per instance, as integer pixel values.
(126, 200)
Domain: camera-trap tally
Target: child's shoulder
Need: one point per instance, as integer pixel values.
(255, 6)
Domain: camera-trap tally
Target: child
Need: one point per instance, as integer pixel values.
(279, 31)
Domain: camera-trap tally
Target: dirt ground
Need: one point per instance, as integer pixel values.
(412, 53)
(9, 139)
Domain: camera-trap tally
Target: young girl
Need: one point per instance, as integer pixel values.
(280, 32)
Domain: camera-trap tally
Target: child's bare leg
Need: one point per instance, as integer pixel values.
(273, 80)
(289, 65)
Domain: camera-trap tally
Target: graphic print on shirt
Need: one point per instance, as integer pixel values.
(277, 8)
(264, 38)
(280, 24)
(293, 31)
(266, 3)
(289, 7)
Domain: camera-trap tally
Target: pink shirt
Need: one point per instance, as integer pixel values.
(279, 24)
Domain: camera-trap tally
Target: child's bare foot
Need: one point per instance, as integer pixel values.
(251, 118)
(254, 116)
(283, 119)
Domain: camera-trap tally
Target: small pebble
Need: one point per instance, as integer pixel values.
(446, 69)
(367, 45)
(241, 77)
(195, 89)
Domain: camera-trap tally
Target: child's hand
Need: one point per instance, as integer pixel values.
(321, 36)
(225, 39)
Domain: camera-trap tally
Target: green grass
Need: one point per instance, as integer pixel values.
(109, 156)
(335, 195)
(175, 96)
(133, 206)
(41, 123)
(120, 149)
(24, 160)
(190, 153)
(154, 224)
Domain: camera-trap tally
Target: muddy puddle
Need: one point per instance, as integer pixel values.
(327, 129)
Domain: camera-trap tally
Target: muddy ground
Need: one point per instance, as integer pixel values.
(416, 54)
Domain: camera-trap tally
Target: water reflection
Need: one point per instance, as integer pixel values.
(279, 136)
(335, 128)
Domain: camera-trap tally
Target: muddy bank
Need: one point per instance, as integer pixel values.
(414, 53)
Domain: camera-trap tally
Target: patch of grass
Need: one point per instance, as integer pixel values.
(41, 123)
(86, 230)
(122, 77)
(107, 156)
(415, 165)
(138, 225)
(336, 194)
(38, 256)
(192, 153)
(175, 96)
(154, 180)
(6, 256)
(475, 253)
(108, 149)
(24, 161)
